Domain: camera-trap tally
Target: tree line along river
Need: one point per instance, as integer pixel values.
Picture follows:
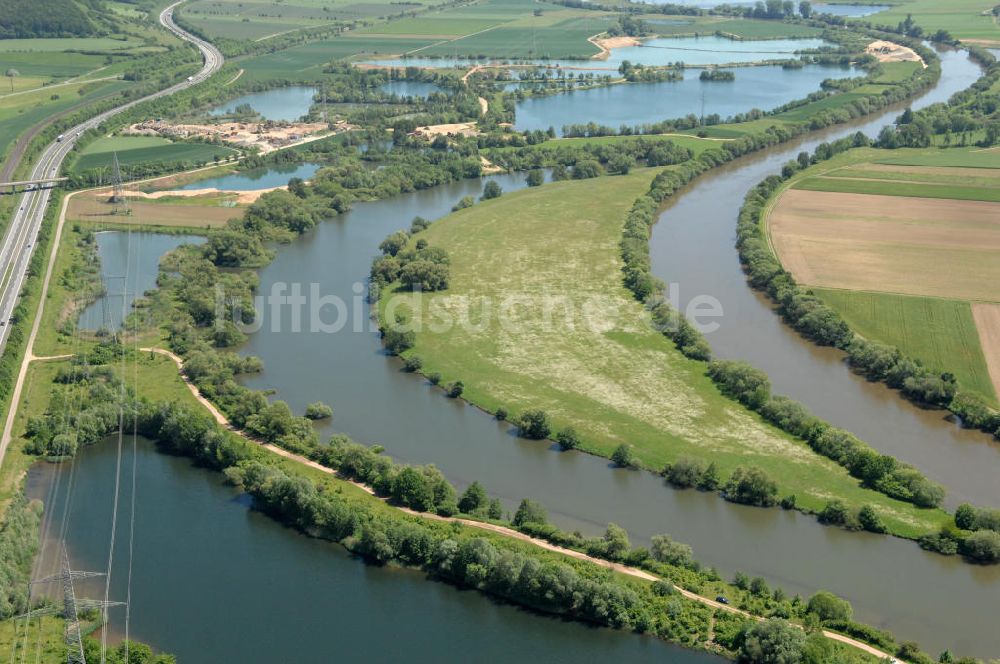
(940, 602)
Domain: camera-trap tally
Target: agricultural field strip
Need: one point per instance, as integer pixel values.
(881, 243)
(987, 317)
(941, 333)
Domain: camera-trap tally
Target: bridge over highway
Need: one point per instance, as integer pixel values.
(28, 184)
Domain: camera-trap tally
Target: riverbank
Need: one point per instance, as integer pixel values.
(499, 529)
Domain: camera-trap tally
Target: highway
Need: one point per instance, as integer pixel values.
(22, 231)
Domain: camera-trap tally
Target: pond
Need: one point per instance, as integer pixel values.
(707, 50)
(837, 9)
(849, 11)
(763, 87)
(287, 104)
(257, 178)
(213, 581)
(129, 266)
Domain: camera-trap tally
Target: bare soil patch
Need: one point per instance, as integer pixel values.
(987, 317)
(612, 42)
(94, 207)
(917, 246)
(455, 129)
(887, 51)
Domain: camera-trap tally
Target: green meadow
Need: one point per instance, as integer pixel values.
(940, 333)
(607, 373)
(896, 188)
(134, 150)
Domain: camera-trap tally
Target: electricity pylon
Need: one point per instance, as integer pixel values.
(71, 607)
(118, 198)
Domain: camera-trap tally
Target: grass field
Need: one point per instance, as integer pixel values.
(235, 19)
(18, 113)
(39, 641)
(306, 62)
(886, 187)
(965, 19)
(610, 375)
(67, 43)
(134, 150)
(940, 333)
(968, 158)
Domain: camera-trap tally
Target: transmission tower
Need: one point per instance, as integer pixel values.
(72, 605)
(118, 198)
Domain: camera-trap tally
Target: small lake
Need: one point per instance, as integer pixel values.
(287, 104)
(213, 581)
(765, 87)
(409, 88)
(849, 11)
(707, 50)
(845, 10)
(257, 178)
(129, 266)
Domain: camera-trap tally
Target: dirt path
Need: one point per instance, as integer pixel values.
(484, 106)
(234, 78)
(500, 530)
(987, 317)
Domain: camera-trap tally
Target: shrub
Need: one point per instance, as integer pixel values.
(981, 546)
(568, 439)
(529, 512)
(870, 520)
(473, 499)
(534, 424)
(491, 190)
(834, 513)
(828, 606)
(413, 363)
(434, 378)
(398, 341)
(623, 457)
(455, 389)
(773, 641)
(751, 486)
(685, 472)
(318, 411)
(501, 413)
(663, 549)
(741, 381)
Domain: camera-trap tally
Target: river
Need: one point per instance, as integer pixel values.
(213, 581)
(951, 606)
(693, 247)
